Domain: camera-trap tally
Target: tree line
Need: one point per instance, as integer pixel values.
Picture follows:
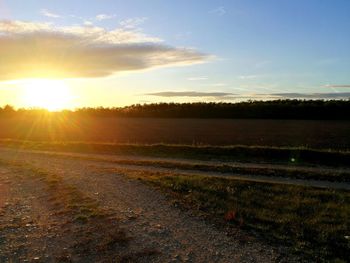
(277, 109)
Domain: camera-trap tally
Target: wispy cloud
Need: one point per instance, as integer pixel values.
(197, 78)
(132, 23)
(333, 95)
(252, 96)
(244, 77)
(219, 84)
(338, 86)
(309, 96)
(101, 17)
(30, 49)
(183, 35)
(189, 94)
(262, 64)
(220, 11)
(50, 14)
(78, 17)
(88, 23)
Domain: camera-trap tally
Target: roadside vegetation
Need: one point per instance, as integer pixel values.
(221, 168)
(226, 169)
(293, 156)
(313, 223)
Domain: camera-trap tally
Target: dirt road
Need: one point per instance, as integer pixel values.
(56, 209)
(190, 167)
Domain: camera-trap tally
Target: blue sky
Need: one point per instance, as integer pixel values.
(254, 48)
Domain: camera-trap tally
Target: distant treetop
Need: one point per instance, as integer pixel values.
(277, 109)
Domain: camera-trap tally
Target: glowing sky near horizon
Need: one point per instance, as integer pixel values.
(115, 53)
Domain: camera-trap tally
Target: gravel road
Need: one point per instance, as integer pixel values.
(157, 231)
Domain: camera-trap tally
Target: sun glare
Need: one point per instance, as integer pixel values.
(49, 94)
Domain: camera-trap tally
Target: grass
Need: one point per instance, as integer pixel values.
(333, 176)
(292, 156)
(226, 169)
(314, 223)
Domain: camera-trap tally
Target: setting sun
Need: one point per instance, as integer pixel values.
(49, 94)
(187, 131)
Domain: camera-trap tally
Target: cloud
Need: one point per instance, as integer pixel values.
(183, 35)
(37, 50)
(132, 23)
(244, 77)
(47, 13)
(333, 95)
(219, 84)
(327, 96)
(101, 17)
(197, 78)
(337, 86)
(252, 96)
(88, 23)
(262, 64)
(220, 11)
(189, 94)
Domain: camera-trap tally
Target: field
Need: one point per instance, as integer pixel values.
(179, 190)
(287, 133)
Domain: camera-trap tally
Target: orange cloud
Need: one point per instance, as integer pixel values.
(37, 50)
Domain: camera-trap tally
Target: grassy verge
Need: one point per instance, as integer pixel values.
(225, 169)
(293, 156)
(287, 171)
(314, 223)
(332, 176)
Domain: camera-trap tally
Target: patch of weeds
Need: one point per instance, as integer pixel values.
(313, 222)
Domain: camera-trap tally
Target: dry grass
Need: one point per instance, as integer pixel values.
(232, 170)
(291, 156)
(314, 223)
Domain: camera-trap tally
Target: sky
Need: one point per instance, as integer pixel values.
(70, 54)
